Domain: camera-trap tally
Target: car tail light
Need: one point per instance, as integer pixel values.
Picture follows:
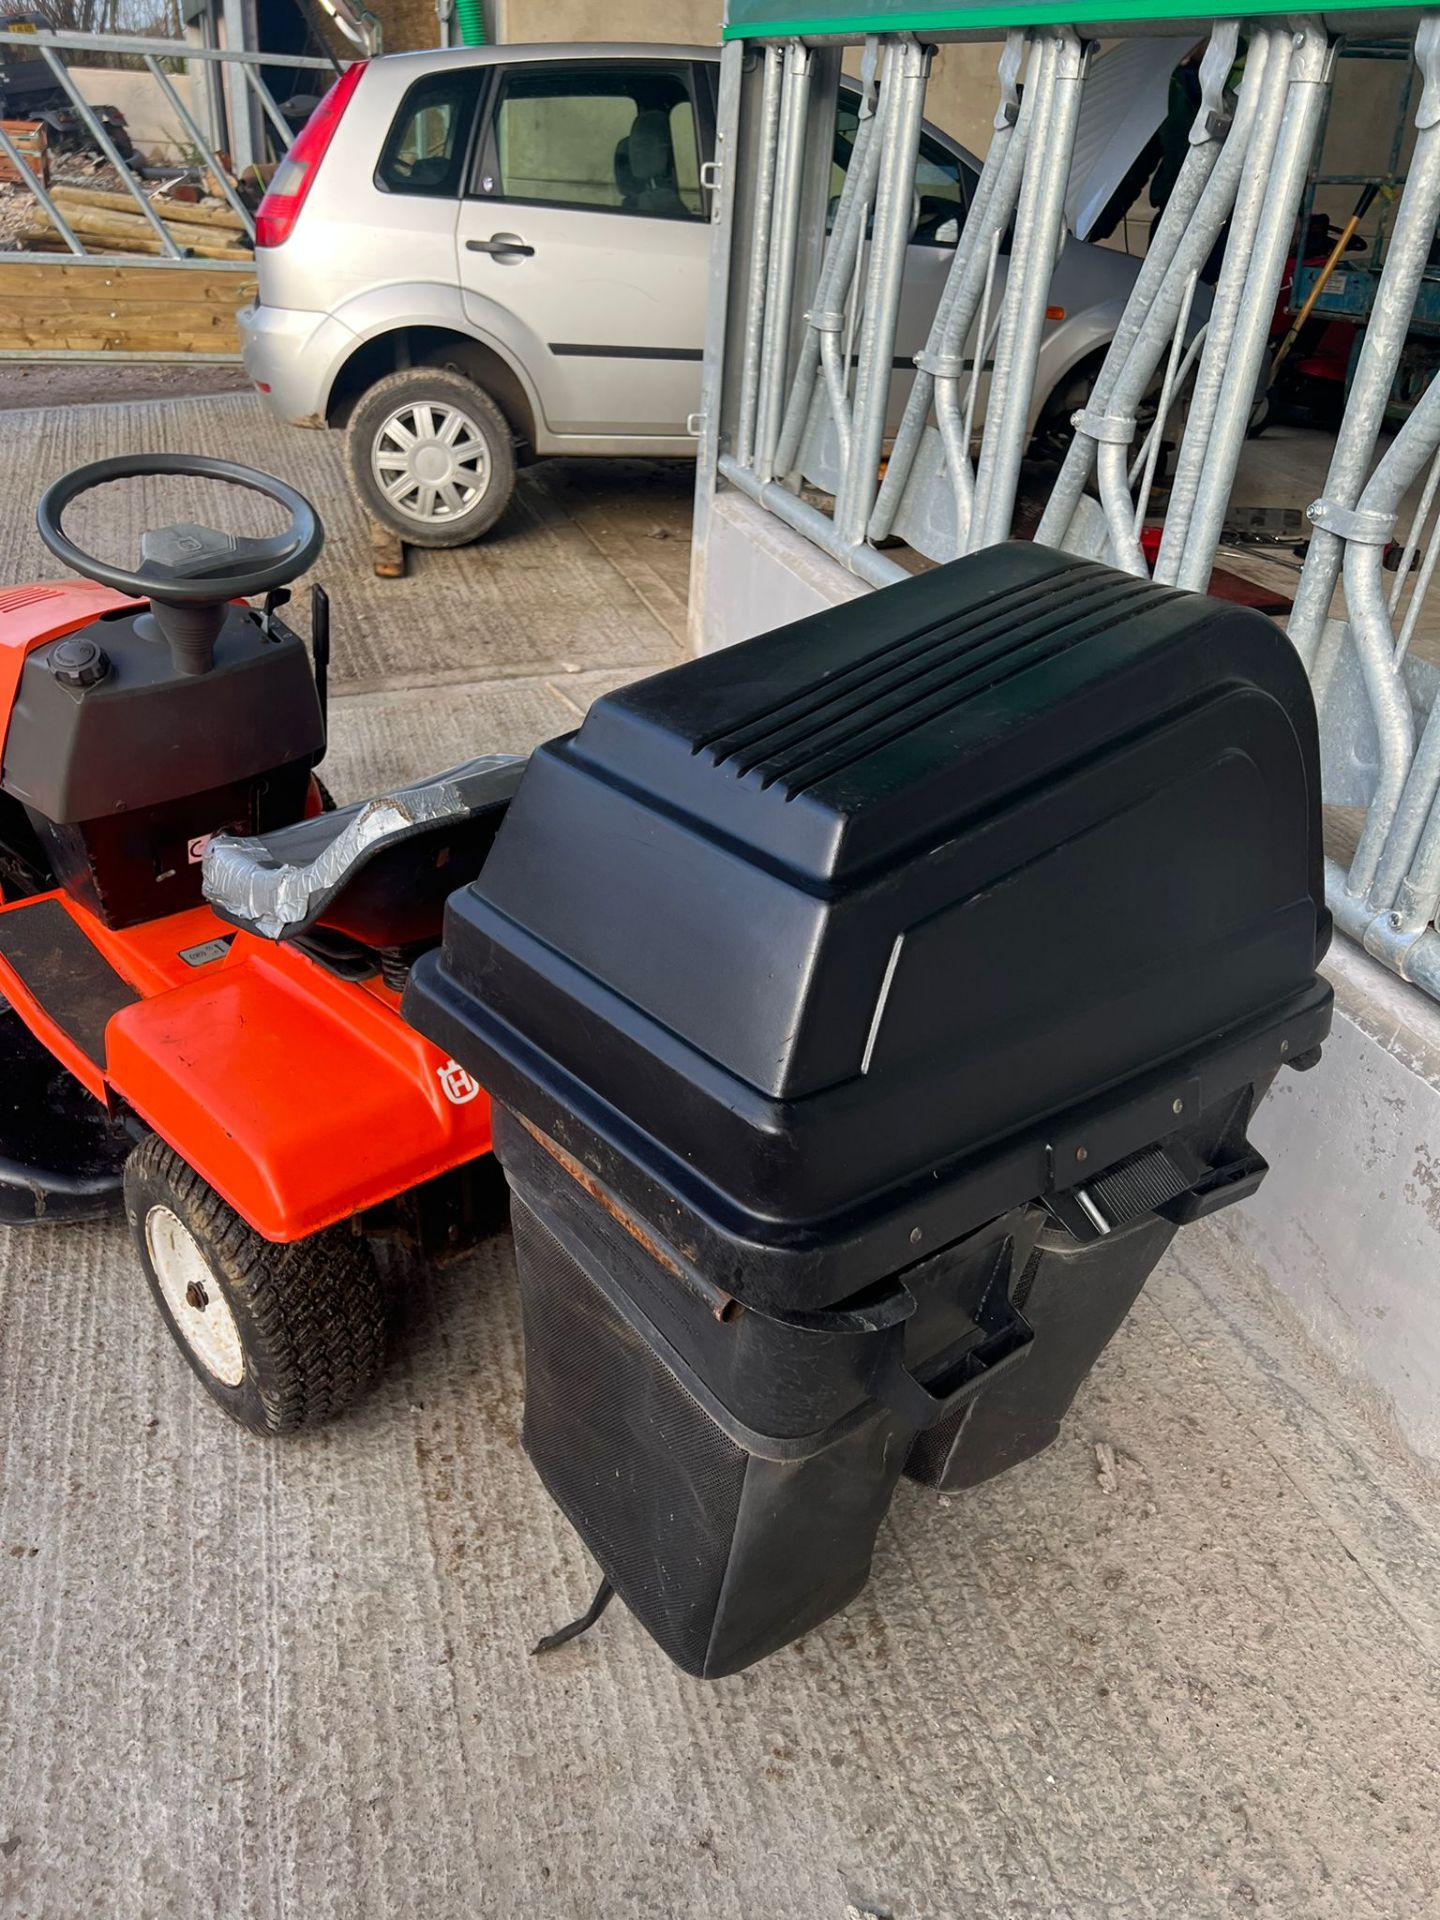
(280, 209)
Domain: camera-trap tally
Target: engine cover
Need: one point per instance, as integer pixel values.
(124, 766)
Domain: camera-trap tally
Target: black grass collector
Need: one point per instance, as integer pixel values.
(865, 1007)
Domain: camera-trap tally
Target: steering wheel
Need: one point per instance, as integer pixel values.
(186, 565)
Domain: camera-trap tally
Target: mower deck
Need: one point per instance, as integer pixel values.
(61, 1155)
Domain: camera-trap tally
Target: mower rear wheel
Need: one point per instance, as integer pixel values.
(282, 1337)
(431, 456)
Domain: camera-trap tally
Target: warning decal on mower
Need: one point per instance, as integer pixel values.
(459, 1087)
(209, 950)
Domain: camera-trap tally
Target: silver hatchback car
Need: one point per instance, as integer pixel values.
(475, 256)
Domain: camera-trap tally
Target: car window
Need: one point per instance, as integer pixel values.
(424, 150)
(611, 138)
(943, 182)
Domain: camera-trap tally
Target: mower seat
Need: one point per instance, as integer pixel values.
(378, 872)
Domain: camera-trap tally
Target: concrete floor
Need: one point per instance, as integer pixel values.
(239, 1679)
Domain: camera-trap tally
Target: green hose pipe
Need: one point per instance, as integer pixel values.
(471, 15)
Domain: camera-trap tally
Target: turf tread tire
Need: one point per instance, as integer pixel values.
(311, 1313)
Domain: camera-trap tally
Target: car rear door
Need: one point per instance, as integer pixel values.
(584, 239)
(405, 230)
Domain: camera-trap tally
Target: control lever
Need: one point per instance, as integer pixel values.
(320, 652)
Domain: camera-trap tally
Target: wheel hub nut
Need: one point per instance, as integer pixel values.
(196, 1296)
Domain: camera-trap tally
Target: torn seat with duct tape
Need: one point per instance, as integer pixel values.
(377, 872)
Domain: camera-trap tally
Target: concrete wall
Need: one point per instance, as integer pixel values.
(1347, 1225)
(154, 125)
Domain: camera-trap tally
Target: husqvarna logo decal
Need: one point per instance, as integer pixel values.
(458, 1086)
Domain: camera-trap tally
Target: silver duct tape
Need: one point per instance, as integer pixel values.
(242, 878)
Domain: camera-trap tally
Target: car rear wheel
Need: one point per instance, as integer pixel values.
(431, 457)
(282, 1337)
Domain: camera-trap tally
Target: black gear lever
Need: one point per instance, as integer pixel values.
(188, 573)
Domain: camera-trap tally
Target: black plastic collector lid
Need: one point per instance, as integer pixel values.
(852, 935)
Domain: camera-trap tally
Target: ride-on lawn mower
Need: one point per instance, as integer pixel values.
(865, 1007)
(236, 1075)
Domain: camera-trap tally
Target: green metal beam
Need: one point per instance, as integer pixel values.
(814, 19)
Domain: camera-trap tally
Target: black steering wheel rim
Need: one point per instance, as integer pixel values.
(304, 537)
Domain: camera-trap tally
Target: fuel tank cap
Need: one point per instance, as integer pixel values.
(79, 662)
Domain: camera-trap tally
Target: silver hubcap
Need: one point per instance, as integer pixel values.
(197, 1306)
(431, 463)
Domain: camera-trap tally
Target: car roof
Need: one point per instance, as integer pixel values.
(582, 50)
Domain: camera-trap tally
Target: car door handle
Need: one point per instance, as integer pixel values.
(501, 243)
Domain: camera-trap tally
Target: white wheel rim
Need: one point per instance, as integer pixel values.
(199, 1309)
(430, 461)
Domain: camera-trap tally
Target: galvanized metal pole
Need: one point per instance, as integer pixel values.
(1411, 239)
(825, 318)
(1150, 453)
(907, 67)
(1311, 70)
(131, 44)
(1192, 218)
(1040, 88)
(753, 326)
(780, 281)
(816, 527)
(1408, 876)
(1052, 147)
(983, 357)
(940, 366)
(202, 145)
(817, 169)
(1401, 830)
(713, 399)
(1365, 532)
(1420, 586)
(1271, 84)
(1418, 523)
